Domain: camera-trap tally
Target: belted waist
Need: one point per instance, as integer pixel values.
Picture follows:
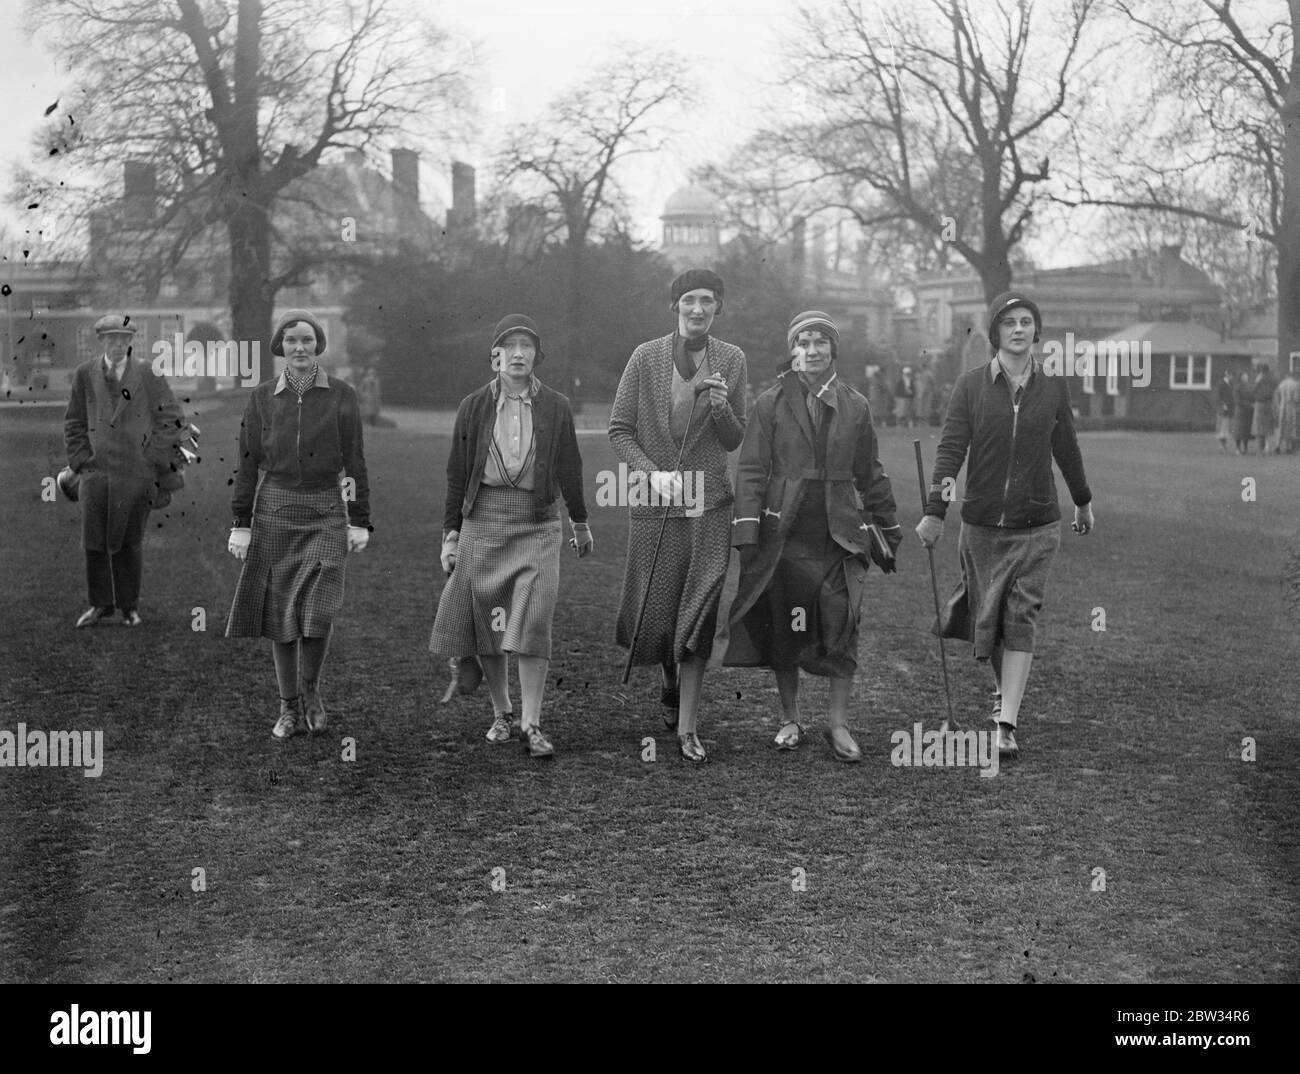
(812, 474)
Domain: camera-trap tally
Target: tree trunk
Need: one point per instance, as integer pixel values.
(251, 300)
(1288, 239)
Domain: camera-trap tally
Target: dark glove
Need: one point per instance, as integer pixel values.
(884, 545)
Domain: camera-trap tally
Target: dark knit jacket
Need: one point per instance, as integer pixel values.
(307, 443)
(557, 468)
(1009, 480)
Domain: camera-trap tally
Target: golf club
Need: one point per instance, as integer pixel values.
(934, 588)
(654, 560)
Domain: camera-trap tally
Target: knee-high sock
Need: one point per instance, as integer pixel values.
(787, 686)
(286, 667)
(840, 690)
(690, 683)
(1015, 675)
(313, 659)
(498, 684)
(532, 685)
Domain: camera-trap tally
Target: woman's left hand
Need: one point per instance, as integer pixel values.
(358, 538)
(717, 389)
(1082, 519)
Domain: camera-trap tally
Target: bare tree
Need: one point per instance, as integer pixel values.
(937, 124)
(230, 101)
(1230, 156)
(567, 162)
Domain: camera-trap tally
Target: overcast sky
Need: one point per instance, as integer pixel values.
(525, 53)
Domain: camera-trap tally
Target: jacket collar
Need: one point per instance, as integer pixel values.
(499, 396)
(995, 368)
(322, 381)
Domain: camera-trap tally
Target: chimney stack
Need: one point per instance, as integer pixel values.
(139, 194)
(406, 173)
(463, 214)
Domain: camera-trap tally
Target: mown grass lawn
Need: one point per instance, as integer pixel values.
(381, 868)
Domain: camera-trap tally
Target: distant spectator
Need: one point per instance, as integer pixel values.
(905, 398)
(1286, 407)
(924, 394)
(368, 396)
(1227, 407)
(879, 397)
(1261, 426)
(1244, 401)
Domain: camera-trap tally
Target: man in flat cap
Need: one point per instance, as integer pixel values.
(121, 428)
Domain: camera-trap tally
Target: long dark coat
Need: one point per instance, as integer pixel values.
(119, 445)
(777, 461)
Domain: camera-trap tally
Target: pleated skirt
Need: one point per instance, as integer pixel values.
(501, 596)
(1006, 572)
(291, 585)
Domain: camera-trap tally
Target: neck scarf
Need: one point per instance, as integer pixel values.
(301, 384)
(684, 356)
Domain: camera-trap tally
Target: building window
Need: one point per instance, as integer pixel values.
(1112, 374)
(1089, 384)
(1189, 372)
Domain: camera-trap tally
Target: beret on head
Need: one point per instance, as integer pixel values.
(812, 320)
(518, 322)
(1010, 300)
(287, 320)
(693, 280)
(115, 323)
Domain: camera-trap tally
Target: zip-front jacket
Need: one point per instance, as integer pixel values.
(557, 467)
(1011, 445)
(307, 443)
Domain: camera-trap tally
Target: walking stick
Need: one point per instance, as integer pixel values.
(640, 615)
(934, 588)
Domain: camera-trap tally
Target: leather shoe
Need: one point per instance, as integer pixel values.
(313, 711)
(537, 744)
(287, 725)
(842, 744)
(789, 737)
(131, 618)
(691, 748)
(91, 616)
(1007, 741)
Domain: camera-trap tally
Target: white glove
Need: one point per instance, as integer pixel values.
(450, 544)
(667, 486)
(240, 538)
(358, 538)
(930, 529)
(582, 541)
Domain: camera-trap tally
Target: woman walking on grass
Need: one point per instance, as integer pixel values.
(1006, 422)
(301, 436)
(514, 451)
(682, 396)
(810, 486)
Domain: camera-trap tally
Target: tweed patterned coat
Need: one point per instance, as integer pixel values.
(639, 420)
(120, 444)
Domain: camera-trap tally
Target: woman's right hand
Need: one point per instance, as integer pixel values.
(930, 529)
(240, 538)
(450, 544)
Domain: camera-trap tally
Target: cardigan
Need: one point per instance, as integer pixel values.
(302, 442)
(640, 420)
(1009, 479)
(557, 464)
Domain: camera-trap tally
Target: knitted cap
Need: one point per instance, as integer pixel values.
(518, 322)
(1010, 300)
(812, 319)
(287, 320)
(696, 279)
